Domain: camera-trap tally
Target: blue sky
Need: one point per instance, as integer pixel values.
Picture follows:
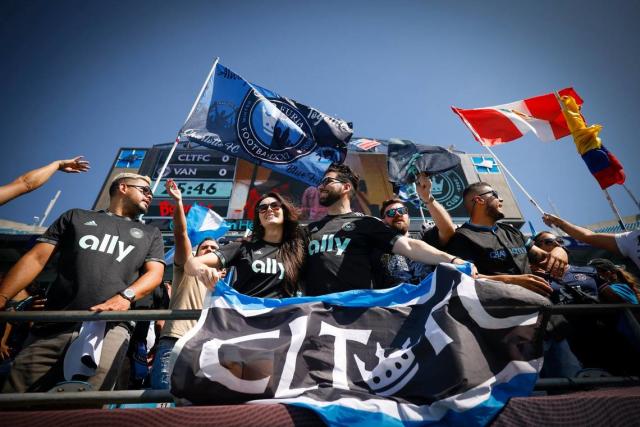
(81, 77)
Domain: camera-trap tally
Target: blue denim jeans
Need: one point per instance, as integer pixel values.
(559, 360)
(160, 375)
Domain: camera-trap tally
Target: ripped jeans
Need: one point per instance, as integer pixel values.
(160, 375)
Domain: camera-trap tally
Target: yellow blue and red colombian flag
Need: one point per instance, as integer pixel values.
(603, 165)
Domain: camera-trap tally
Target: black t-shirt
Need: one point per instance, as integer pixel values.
(101, 254)
(341, 249)
(259, 268)
(390, 270)
(500, 249)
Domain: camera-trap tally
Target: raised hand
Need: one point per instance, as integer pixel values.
(173, 190)
(75, 165)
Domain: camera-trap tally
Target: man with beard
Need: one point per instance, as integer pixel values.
(499, 251)
(107, 261)
(397, 268)
(341, 244)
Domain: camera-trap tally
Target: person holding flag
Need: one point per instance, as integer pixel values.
(625, 244)
(269, 264)
(188, 293)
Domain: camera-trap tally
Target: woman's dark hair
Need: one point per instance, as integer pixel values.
(622, 276)
(291, 250)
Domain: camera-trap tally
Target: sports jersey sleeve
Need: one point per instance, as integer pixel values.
(55, 233)
(383, 235)
(461, 247)
(431, 237)
(156, 248)
(228, 253)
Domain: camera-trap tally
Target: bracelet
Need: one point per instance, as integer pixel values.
(430, 200)
(453, 259)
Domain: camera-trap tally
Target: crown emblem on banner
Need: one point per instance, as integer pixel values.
(437, 186)
(392, 372)
(270, 119)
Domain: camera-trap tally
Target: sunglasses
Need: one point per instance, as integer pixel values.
(550, 241)
(494, 193)
(327, 180)
(273, 205)
(144, 189)
(396, 211)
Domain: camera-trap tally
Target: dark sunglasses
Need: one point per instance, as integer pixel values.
(144, 189)
(557, 240)
(327, 180)
(396, 211)
(494, 193)
(273, 205)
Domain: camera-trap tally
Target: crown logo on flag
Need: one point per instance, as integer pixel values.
(392, 372)
(437, 186)
(270, 118)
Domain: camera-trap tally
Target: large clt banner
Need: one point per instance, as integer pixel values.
(432, 353)
(253, 123)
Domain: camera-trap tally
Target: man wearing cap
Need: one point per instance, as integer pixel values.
(107, 260)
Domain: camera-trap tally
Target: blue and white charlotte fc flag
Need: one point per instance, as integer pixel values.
(430, 354)
(262, 127)
(201, 222)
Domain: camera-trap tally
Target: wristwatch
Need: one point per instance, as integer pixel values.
(128, 294)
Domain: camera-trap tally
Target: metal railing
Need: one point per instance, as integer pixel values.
(78, 398)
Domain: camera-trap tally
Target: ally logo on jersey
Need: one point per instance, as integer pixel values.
(107, 244)
(329, 243)
(268, 266)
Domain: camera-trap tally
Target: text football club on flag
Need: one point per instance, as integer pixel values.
(262, 127)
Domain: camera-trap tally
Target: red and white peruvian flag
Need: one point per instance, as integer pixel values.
(541, 115)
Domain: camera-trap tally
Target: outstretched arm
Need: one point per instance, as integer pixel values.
(417, 250)
(528, 281)
(604, 241)
(25, 271)
(204, 268)
(37, 177)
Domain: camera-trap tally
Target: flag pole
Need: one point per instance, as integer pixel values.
(531, 199)
(614, 209)
(631, 195)
(177, 141)
(477, 137)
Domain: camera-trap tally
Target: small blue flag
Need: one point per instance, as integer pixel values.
(201, 223)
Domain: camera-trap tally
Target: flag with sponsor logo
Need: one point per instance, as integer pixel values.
(603, 165)
(256, 124)
(499, 124)
(440, 352)
(202, 222)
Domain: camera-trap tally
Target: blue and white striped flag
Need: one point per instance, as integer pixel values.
(431, 354)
